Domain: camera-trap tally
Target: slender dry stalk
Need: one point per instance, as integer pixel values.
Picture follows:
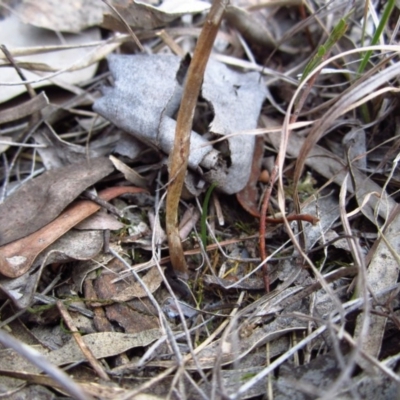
(180, 152)
(81, 343)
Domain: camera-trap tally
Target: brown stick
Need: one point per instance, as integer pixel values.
(179, 156)
(82, 345)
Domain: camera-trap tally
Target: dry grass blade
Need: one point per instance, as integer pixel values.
(343, 105)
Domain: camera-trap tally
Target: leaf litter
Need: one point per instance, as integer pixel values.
(280, 85)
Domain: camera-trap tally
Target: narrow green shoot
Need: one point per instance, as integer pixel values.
(384, 20)
(323, 51)
(204, 213)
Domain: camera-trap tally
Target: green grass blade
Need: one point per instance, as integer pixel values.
(384, 20)
(338, 31)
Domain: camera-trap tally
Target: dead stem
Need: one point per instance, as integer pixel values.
(179, 156)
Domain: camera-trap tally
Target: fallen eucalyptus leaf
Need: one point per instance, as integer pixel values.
(383, 271)
(152, 280)
(83, 269)
(248, 284)
(171, 309)
(129, 146)
(17, 257)
(251, 29)
(103, 344)
(231, 380)
(15, 34)
(42, 199)
(58, 152)
(74, 245)
(146, 16)
(66, 16)
(355, 143)
(319, 373)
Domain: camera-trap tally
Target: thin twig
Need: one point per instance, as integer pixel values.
(80, 342)
(103, 203)
(134, 37)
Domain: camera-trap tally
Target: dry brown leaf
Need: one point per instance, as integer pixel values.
(12, 361)
(17, 257)
(58, 152)
(125, 314)
(251, 29)
(74, 245)
(231, 381)
(103, 344)
(152, 280)
(320, 372)
(21, 290)
(130, 320)
(82, 270)
(247, 284)
(207, 357)
(130, 174)
(34, 390)
(42, 199)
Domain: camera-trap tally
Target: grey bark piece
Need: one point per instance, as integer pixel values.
(147, 95)
(236, 99)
